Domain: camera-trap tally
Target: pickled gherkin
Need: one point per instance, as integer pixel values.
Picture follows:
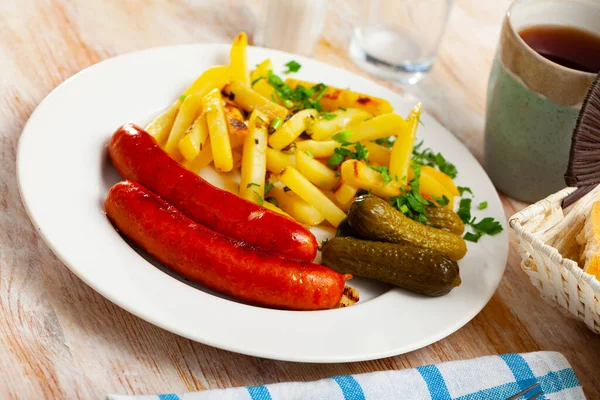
(443, 218)
(409, 267)
(373, 218)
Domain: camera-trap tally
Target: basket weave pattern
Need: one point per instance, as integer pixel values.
(543, 233)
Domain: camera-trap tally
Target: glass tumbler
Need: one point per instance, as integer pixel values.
(398, 39)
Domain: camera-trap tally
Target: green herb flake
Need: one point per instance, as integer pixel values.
(464, 210)
(342, 109)
(252, 184)
(292, 66)
(308, 153)
(259, 199)
(404, 209)
(338, 174)
(385, 173)
(327, 115)
(275, 124)
(273, 201)
(483, 205)
(463, 189)
(386, 142)
(342, 138)
(472, 237)
(268, 187)
(260, 78)
(431, 159)
(443, 201)
(182, 97)
(488, 226)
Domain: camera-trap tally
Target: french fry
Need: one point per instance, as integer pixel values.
(318, 149)
(312, 195)
(258, 79)
(335, 98)
(250, 100)
(297, 208)
(273, 207)
(187, 114)
(316, 172)
(278, 161)
(345, 193)
(430, 187)
(237, 156)
(403, 146)
(254, 159)
(239, 60)
(291, 129)
(358, 174)
(236, 140)
(323, 128)
(217, 129)
(161, 126)
(441, 178)
(213, 78)
(236, 124)
(378, 154)
(377, 127)
(196, 136)
(204, 158)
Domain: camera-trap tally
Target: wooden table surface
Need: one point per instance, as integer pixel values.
(60, 339)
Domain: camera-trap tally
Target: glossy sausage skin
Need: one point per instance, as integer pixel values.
(216, 261)
(137, 157)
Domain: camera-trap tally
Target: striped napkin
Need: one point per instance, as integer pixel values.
(494, 377)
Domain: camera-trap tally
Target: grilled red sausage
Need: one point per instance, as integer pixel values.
(216, 261)
(137, 157)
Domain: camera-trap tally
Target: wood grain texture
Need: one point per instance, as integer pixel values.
(60, 339)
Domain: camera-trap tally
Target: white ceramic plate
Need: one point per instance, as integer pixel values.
(64, 175)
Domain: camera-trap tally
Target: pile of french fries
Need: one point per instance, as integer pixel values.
(208, 124)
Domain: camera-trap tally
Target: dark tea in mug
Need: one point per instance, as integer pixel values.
(570, 47)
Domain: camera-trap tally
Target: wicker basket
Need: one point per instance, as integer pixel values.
(545, 233)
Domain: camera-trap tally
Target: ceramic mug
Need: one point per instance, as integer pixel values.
(533, 103)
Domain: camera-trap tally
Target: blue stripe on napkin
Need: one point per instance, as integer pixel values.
(168, 396)
(522, 372)
(350, 387)
(435, 382)
(259, 393)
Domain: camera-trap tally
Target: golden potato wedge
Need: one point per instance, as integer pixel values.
(250, 100)
(334, 98)
(273, 207)
(358, 174)
(297, 208)
(441, 178)
(291, 129)
(318, 149)
(323, 129)
(345, 193)
(213, 78)
(254, 160)
(401, 157)
(312, 195)
(204, 158)
(236, 123)
(378, 154)
(430, 187)
(258, 79)
(238, 59)
(217, 129)
(196, 136)
(317, 173)
(190, 108)
(161, 126)
(377, 127)
(278, 161)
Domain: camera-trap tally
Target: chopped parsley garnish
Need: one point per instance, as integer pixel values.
(431, 159)
(342, 109)
(259, 199)
(483, 205)
(182, 97)
(299, 98)
(256, 80)
(252, 184)
(275, 124)
(411, 203)
(386, 142)
(327, 115)
(464, 210)
(293, 66)
(342, 138)
(385, 173)
(463, 189)
(472, 237)
(268, 187)
(443, 201)
(323, 242)
(308, 153)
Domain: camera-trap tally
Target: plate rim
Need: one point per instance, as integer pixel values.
(447, 331)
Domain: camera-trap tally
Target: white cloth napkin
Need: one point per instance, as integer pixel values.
(494, 377)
